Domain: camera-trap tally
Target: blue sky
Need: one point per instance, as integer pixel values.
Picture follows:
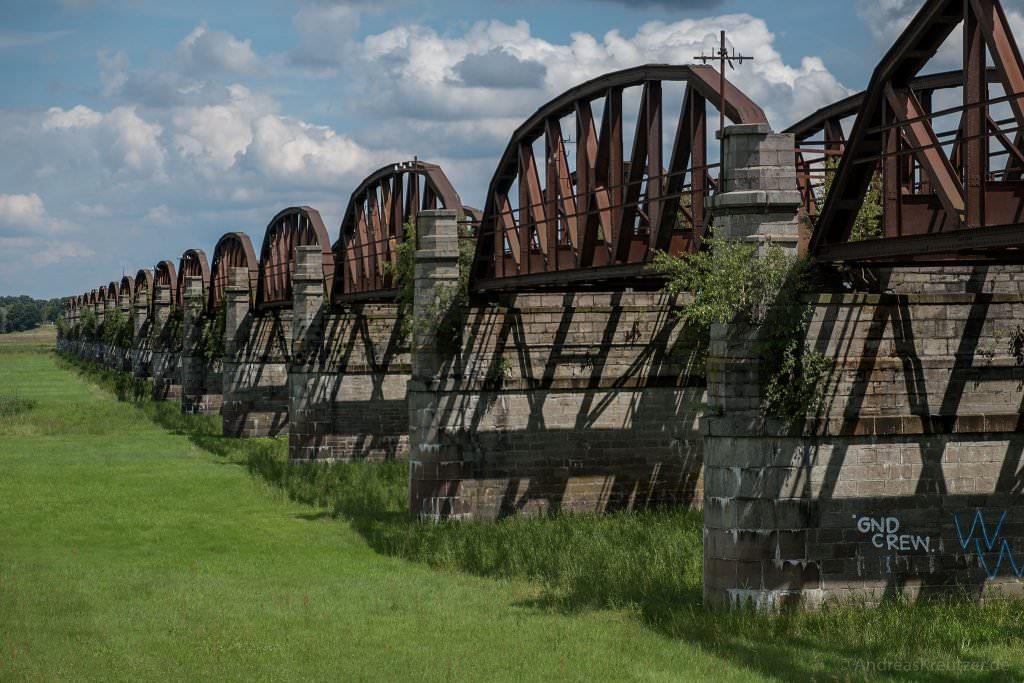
(134, 129)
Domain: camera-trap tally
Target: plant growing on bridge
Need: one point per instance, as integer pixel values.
(868, 224)
(730, 282)
(87, 325)
(170, 336)
(118, 330)
(212, 340)
(403, 273)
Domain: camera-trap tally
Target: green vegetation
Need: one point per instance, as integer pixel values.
(868, 224)
(171, 336)
(730, 282)
(21, 313)
(158, 559)
(118, 329)
(39, 340)
(446, 314)
(211, 342)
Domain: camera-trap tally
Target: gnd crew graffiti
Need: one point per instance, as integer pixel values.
(983, 543)
(885, 535)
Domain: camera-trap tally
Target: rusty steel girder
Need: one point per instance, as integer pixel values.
(127, 287)
(948, 196)
(374, 225)
(192, 263)
(233, 250)
(293, 227)
(143, 287)
(164, 276)
(604, 216)
(820, 136)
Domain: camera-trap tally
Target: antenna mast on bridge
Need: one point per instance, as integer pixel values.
(724, 59)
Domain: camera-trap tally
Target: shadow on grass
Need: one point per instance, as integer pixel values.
(648, 564)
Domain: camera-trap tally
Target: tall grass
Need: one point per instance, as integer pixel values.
(11, 405)
(647, 564)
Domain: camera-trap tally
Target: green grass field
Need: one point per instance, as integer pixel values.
(39, 339)
(138, 544)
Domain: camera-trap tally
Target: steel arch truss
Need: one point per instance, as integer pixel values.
(820, 137)
(127, 287)
(953, 195)
(143, 286)
(557, 219)
(233, 250)
(374, 225)
(193, 263)
(164, 276)
(293, 227)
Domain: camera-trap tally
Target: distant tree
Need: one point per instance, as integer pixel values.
(3, 320)
(51, 310)
(22, 316)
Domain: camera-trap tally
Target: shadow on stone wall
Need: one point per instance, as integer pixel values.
(562, 403)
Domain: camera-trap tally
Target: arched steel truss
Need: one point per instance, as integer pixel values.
(127, 287)
(555, 221)
(821, 140)
(233, 250)
(948, 195)
(193, 263)
(293, 227)
(374, 225)
(164, 276)
(143, 285)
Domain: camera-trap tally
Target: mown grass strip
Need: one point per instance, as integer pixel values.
(647, 564)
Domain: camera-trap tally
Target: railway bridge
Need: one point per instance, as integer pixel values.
(525, 358)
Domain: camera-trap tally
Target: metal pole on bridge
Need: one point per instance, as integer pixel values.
(724, 59)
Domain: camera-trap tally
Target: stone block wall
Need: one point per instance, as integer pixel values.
(561, 403)
(201, 385)
(543, 403)
(201, 377)
(348, 380)
(255, 375)
(908, 480)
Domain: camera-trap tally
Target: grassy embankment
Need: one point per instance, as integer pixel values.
(137, 547)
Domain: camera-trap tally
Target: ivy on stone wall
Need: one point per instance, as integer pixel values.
(211, 343)
(438, 315)
(117, 329)
(170, 337)
(728, 283)
(87, 325)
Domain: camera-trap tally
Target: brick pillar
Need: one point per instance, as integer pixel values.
(435, 468)
(236, 310)
(755, 530)
(306, 428)
(141, 349)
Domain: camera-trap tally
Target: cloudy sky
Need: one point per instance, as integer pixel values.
(134, 129)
